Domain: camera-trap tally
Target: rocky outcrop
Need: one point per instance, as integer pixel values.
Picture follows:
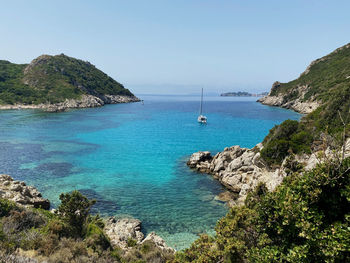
(293, 99)
(159, 242)
(22, 194)
(240, 170)
(122, 231)
(85, 101)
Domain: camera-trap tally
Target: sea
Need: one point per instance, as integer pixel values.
(131, 158)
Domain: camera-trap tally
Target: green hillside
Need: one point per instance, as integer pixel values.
(54, 79)
(328, 81)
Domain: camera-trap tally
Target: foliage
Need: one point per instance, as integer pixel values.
(328, 82)
(6, 206)
(52, 79)
(75, 209)
(306, 219)
(288, 137)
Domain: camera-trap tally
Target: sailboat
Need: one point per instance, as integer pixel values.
(201, 118)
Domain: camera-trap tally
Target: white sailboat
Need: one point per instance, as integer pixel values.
(201, 117)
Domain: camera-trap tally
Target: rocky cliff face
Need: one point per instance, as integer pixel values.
(294, 99)
(240, 170)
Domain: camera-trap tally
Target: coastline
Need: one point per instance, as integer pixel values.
(119, 231)
(86, 101)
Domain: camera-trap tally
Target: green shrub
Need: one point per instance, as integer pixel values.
(75, 209)
(96, 238)
(6, 206)
(131, 242)
(284, 139)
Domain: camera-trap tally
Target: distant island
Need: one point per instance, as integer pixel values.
(243, 94)
(55, 83)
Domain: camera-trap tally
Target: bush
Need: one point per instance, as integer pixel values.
(284, 139)
(18, 221)
(96, 238)
(6, 206)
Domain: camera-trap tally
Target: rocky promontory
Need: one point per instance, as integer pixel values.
(21, 194)
(240, 170)
(85, 101)
(294, 99)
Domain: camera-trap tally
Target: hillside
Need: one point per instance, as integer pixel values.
(323, 79)
(53, 79)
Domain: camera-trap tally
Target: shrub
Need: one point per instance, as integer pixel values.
(96, 238)
(18, 221)
(6, 206)
(288, 137)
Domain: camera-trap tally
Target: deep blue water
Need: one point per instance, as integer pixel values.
(132, 157)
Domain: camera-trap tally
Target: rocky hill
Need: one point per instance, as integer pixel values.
(323, 79)
(62, 81)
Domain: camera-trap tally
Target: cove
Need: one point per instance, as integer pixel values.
(132, 158)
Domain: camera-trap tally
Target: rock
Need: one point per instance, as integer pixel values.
(85, 101)
(22, 194)
(225, 196)
(197, 158)
(120, 231)
(238, 169)
(297, 104)
(158, 241)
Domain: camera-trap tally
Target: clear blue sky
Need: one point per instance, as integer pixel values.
(177, 46)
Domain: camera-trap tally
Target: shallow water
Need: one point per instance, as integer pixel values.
(132, 158)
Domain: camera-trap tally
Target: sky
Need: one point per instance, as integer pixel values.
(179, 46)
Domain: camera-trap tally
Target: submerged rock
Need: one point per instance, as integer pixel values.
(22, 194)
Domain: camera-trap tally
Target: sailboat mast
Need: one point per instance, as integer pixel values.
(200, 113)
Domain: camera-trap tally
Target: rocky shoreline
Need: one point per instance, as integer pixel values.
(240, 170)
(20, 193)
(298, 104)
(85, 101)
(119, 231)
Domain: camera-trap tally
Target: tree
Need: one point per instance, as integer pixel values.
(75, 209)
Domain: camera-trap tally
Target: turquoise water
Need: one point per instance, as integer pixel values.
(132, 158)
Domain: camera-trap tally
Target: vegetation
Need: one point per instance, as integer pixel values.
(53, 79)
(328, 81)
(306, 219)
(284, 139)
(69, 235)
